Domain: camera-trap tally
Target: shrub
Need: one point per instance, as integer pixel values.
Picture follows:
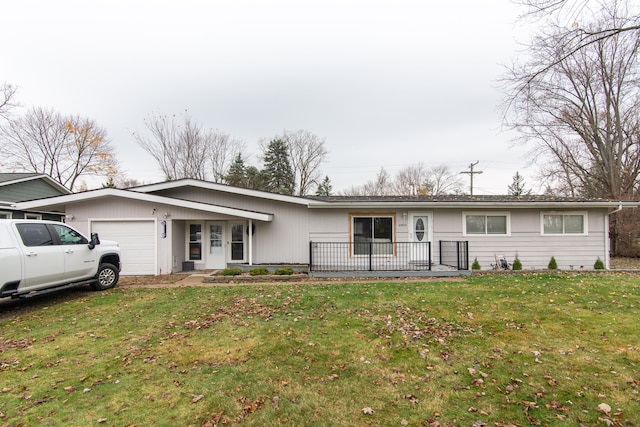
(553, 264)
(259, 271)
(476, 264)
(599, 265)
(517, 264)
(231, 272)
(288, 271)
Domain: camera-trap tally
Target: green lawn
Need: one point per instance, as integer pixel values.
(530, 349)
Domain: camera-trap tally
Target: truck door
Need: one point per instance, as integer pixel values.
(79, 260)
(43, 261)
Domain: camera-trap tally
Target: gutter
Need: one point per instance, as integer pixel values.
(618, 209)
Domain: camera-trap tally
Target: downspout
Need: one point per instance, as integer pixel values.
(607, 240)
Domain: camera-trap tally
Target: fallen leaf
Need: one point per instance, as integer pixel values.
(604, 408)
(368, 411)
(197, 398)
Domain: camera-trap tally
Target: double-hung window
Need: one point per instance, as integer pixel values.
(372, 234)
(564, 223)
(495, 223)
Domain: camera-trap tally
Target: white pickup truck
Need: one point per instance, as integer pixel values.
(38, 257)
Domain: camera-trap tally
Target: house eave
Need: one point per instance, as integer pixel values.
(151, 188)
(61, 201)
(472, 205)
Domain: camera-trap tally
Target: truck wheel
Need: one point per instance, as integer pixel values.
(106, 278)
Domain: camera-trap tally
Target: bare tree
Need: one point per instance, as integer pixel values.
(63, 147)
(413, 180)
(380, 186)
(183, 149)
(444, 181)
(307, 152)
(582, 114)
(223, 149)
(7, 99)
(416, 180)
(573, 16)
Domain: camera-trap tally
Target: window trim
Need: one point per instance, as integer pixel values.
(6, 214)
(394, 240)
(33, 216)
(584, 214)
(505, 214)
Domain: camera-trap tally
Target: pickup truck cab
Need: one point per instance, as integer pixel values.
(43, 256)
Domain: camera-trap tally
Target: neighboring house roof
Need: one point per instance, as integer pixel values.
(17, 187)
(59, 202)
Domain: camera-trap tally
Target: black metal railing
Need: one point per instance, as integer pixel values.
(454, 254)
(369, 256)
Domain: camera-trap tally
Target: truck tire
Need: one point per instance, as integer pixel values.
(106, 278)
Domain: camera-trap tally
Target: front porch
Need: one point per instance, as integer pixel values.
(387, 259)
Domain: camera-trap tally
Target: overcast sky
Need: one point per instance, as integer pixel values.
(387, 83)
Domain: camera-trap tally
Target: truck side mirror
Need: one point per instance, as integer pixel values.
(95, 240)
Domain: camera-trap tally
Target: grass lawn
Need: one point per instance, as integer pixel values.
(495, 350)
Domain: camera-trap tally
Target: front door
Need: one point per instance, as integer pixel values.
(420, 234)
(215, 238)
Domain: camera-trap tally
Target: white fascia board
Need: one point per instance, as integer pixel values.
(222, 188)
(111, 192)
(472, 205)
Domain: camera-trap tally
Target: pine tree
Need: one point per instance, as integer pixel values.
(255, 179)
(277, 168)
(517, 187)
(236, 175)
(324, 188)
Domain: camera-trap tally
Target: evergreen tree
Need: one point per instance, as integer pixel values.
(236, 175)
(255, 179)
(324, 188)
(517, 187)
(277, 168)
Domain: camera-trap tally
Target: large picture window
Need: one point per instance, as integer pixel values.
(372, 234)
(558, 223)
(486, 224)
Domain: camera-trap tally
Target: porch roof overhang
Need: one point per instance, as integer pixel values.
(59, 203)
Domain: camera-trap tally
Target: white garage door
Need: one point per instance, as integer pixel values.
(137, 243)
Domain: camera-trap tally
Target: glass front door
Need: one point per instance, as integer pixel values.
(215, 245)
(420, 235)
(237, 242)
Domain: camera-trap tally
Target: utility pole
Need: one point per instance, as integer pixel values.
(471, 172)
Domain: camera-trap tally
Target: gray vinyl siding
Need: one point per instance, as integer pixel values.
(27, 190)
(533, 249)
(284, 240)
